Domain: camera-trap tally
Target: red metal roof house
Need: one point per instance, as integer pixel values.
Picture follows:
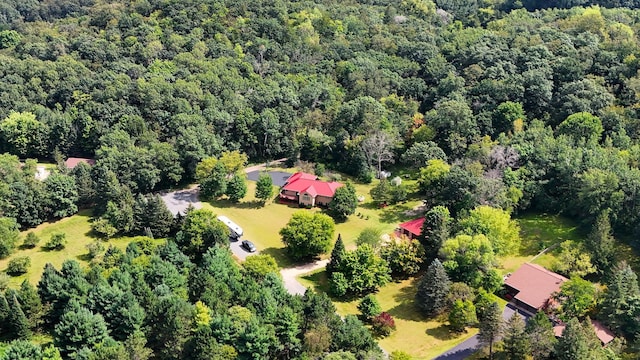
(411, 229)
(306, 190)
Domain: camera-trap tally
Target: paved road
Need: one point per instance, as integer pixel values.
(179, 201)
(469, 346)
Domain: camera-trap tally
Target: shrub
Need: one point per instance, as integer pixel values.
(19, 265)
(95, 249)
(369, 307)
(338, 285)
(31, 240)
(57, 242)
(4, 282)
(399, 355)
(383, 324)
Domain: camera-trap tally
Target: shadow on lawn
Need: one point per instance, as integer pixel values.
(406, 309)
(395, 214)
(224, 203)
(280, 254)
(442, 332)
(319, 280)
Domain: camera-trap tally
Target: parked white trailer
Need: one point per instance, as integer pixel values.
(235, 230)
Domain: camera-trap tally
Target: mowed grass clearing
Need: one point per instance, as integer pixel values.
(77, 228)
(415, 334)
(262, 224)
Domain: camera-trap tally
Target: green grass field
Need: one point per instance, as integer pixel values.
(77, 228)
(416, 335)
(261, 224)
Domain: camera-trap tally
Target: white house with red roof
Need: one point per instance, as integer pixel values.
(306, 190)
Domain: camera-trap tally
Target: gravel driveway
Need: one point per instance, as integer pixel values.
(289, 275)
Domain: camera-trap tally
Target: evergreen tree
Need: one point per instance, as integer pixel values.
(135, 346)
(491, 327)
(620, 304)
(78, 328)
(344, 202)
(573, 345)
(22, 350)
(264, 187)
(516, 343)
(5, 329)
(52, 353)
(236, 187)
(336, 256)
(601, 243)
(30, 303)
(18, 322)
(151, 212)
(433, 288)
(84, 184)
(369, 307)
(540, 333)
(435, 230)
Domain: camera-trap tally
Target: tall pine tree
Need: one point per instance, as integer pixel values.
(18, 322)
(621, 301)
(573, 345)
(435, 230)
(601, 243)
(516, 343)
(433, 289)
(491, 327)
(336, 256)
(540, 333)
(4, 315)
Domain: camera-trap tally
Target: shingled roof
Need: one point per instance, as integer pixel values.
(535, 284)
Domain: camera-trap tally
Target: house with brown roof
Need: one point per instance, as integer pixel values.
(306, 190)
(532, 287)
(411, 229)
(72, 162)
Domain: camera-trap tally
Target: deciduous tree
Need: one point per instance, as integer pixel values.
(344, 202)
(264, 187)
(307, 234)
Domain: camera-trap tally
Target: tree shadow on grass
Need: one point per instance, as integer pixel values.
(225, 203)
(280, 254)
(84, 257)
(395, 214)
(319, 279)
(442, 332)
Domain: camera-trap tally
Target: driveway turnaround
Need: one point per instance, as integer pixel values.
(179, 201)
(289, 276)
(278, 177)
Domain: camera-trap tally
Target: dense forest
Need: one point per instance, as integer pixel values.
(514, 105)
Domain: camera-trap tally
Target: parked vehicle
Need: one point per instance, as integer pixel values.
(248, 245)
(235, 231)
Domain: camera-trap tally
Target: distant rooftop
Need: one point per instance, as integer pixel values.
(72, 162)
(413, 226)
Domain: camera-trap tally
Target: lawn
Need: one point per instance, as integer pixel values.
(77, 228)
(420, 337)
(261, 224)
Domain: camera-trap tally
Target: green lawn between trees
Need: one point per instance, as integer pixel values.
(422, 338)
(78, 230)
